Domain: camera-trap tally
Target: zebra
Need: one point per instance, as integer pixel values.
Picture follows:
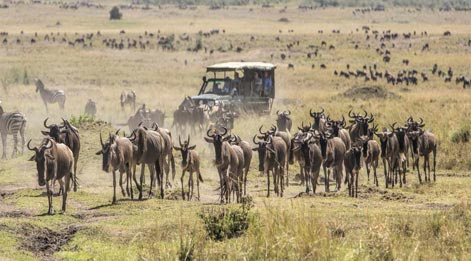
(12, 123)
(128, 97)
(50, 96)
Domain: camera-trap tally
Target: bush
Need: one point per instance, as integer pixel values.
(462, 135)
(115, 14)
(77, 121)
(225, 223)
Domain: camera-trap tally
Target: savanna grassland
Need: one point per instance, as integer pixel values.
(415, 222)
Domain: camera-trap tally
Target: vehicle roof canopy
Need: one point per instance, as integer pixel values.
(232, 66)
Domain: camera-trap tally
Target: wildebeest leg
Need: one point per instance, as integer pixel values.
(375, 166)
(160, 175)
(314, 176)
(64, 194)
(246, 173)
(190, 186)
(198, 183)
(139, 187)
(166, 167)
(268, 183)
(152, 176)
(425, 167)
(275, 181)
(282, 180)
(434, 163)
(123, 192)
(326, 178)
(74, 177)
(302, 174)
(307, 179)
(181, 181)
(114, 188)
(367, 166)
(129, 180)
(385, 169)
(4, 145)
(356, 184)
(287, 173)
(50, 210)
(228, 186)
(172, 161)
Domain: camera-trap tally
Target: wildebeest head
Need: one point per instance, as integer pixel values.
(414, 138)
(336, 126)
(301, 142)
(323, 138)
(283, 121)
(264, 151)
(356, 150)
(217, 140)
(317, 117)
(400, 134)
(413, 125)
(184, 148)
(54, 130)
(383, 140)
(107, 151)
(39, 157)
(361, 120)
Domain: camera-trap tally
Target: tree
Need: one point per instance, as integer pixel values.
(115, 14)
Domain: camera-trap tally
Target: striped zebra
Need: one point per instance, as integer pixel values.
(12, 123)
(128, 97)
(50, 96)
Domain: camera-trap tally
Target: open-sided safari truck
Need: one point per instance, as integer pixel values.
(244, 86)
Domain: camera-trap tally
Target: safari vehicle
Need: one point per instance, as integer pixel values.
(244, 86)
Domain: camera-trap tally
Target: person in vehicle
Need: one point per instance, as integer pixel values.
(257, 83)
(267, 84)
(227, 85)
(216, 89)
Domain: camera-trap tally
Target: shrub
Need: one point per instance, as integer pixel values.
(115, 14)
(227, 222)
(462, 135)
(77, 121)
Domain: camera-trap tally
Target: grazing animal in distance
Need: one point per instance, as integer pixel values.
(190, 163)
(12, 123)
(50, 96)
(90, 108)
(128, 98)
(53, 162)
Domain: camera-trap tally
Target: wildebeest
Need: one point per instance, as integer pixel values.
(53, 162)
(90, 108)
(150, 152)
(169, 160)
(12, 123)
(272, 158)
(352, 163)
(128, 98)
(403, 142)
(226, 160)
(50, 96)
(67, 134)
(336, 128)
(389, 154)
(283, 121)
(319, 120)
(190, 163)
(359, 125)
(286, 137)
(424, 143)
(118, 155)
(245, 146)
(333, 152)
(371, 151)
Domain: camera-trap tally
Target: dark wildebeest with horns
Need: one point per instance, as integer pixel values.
(118, 155)
(272, 156)
(371, 152)
(283, 121)
(319, 120)
(67, 134)
(424, 143)
(359, 125)
(150, 151)
(247, 149)
(53, 162)
(352, 163)
(389, 154)
(50, 96)
(333, 153)
(226, 159)
(190, 163)
(337, 128)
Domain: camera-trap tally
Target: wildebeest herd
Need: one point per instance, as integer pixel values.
(339, 146)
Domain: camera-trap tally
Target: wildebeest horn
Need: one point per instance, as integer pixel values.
(101, 141)
(322, 110)
(421, 121)
(366, 113)
(350, 114)
(140, 124)
(260, 130)
(255, 140)
(410, 119)
(225, 131)
(64, 123)
(45, 124)
(343, 121)
(117, 132)
(289, 112)
(133, 136)
(208, 133)
(278, 112)
(393, 126)
(33, 149)
(269, 140)
(372, 118)
(311, 113)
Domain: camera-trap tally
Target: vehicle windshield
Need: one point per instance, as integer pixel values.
(249, 83)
